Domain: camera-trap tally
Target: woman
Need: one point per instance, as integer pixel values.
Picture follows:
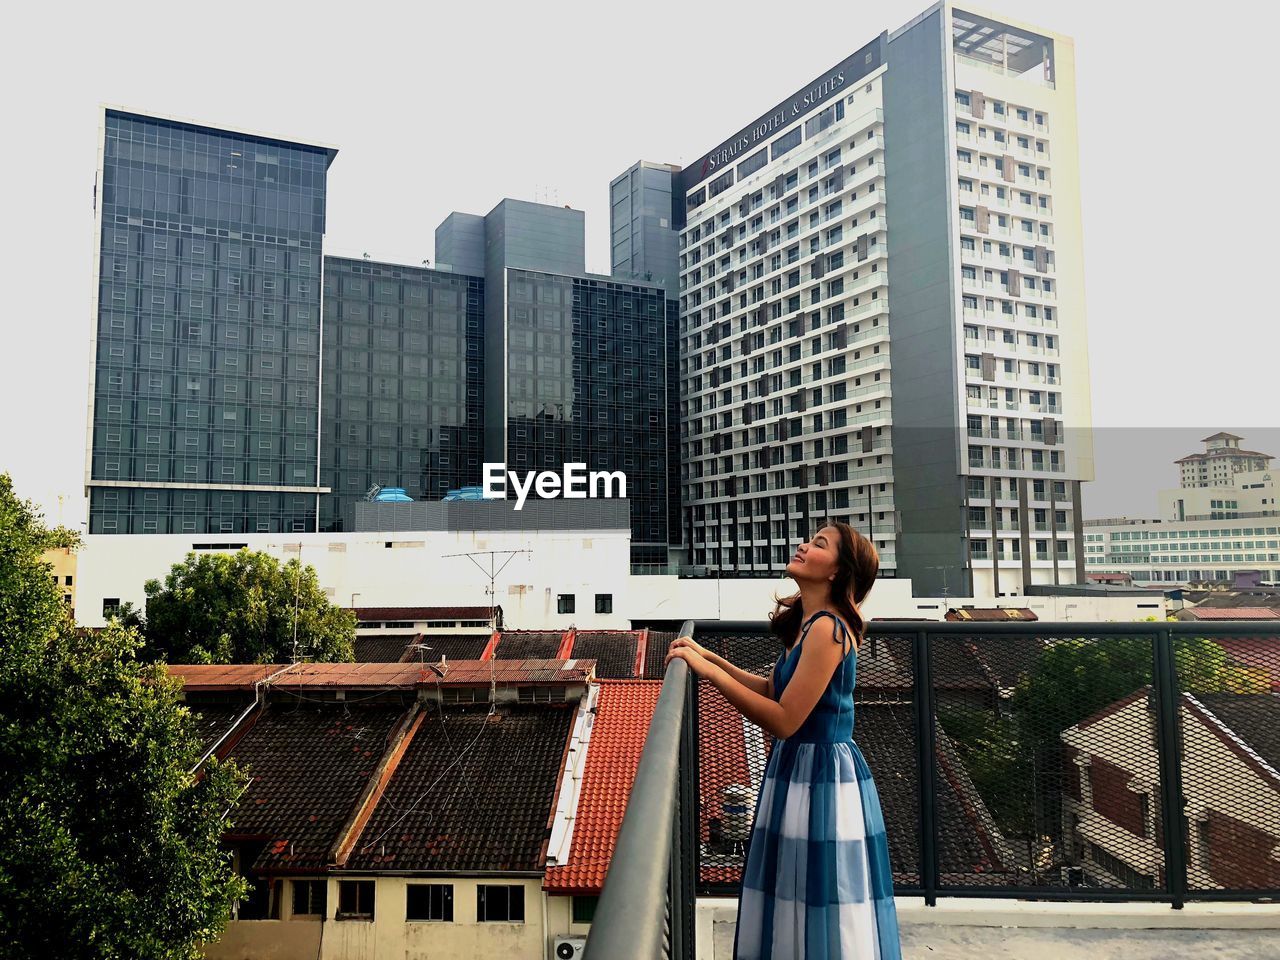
(817, 882)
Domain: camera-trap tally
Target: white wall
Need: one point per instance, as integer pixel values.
(418, 571)
(415, 571)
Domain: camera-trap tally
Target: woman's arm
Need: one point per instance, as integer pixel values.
(819, 658)
(756, 684)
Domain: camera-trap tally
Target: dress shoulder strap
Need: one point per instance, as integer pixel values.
(841, 629)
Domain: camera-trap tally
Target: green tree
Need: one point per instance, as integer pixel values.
(241, 608)
(110, 845)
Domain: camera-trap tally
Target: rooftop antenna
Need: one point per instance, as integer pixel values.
(492, 574)
(297, 586)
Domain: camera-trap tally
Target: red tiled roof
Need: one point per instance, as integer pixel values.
(1231, 613)
(371, 614)
(623, 711)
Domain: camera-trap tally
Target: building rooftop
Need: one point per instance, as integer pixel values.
(471, 792)
(1228, 613)
(991, 614)
(623, 711)
(382, 614)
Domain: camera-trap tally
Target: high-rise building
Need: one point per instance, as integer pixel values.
(575, 364)
(882, 312)
(403, 388)
(205, 379)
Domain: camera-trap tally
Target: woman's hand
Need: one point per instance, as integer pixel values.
(690, 643)
(700, 665)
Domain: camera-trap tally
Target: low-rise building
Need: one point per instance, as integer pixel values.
(62, 560)
(1230, 760)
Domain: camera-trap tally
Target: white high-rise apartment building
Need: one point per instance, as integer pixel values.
(882, 312)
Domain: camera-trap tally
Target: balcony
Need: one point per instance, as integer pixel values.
(1012, 794)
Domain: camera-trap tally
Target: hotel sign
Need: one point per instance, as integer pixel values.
(803, 102)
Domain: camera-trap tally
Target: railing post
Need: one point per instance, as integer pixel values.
(926, 743)
(1169, 746)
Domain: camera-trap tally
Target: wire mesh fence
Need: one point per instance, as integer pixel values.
(1073, 761)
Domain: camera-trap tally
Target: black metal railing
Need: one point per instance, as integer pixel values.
(1068, 761)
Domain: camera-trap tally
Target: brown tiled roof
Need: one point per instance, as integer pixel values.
(450, 647)
(372, 614)
(656, 652)
(487, 811)
(623, 711)
(1228, 613)
(613, 650)
(215, 719)
(992, 614)
(308, 764)
(523, 644)
(1253, 718)
(377, 649)
(1006, 660)
(222, 676)
(379, 676)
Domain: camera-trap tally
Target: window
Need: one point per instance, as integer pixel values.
(566, 603)
(584, 909)
(355, 899)
(604, 603)
(429, 901)
(310, 898)
(499, 903)
(110, 607)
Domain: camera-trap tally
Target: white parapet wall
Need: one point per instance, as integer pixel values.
(395, 569)
(431, 568)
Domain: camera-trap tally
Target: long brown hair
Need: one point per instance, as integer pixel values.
(857, 564)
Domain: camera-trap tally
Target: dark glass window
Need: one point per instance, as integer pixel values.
(584, 909)
(310, 898)
(355, 899)
(788, 141)
(566, 603)
(604, 603)
(499, 903)
(429, 901)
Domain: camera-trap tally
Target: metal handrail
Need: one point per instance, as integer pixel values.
(637, 916)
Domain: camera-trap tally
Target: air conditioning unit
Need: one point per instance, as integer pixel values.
(568, 948)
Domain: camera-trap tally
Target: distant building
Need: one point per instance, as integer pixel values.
(63, 562)
(1221, 460)
(578, 366)
(1112, 818)
(882, 310)
(403, 389)
(205, 379)
(1221, 524)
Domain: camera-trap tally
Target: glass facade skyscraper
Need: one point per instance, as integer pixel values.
(403, 385)
(206, 374)
(586, 383)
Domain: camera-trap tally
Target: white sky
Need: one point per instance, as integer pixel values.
(451, 106)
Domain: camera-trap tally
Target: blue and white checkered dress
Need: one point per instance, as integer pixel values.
(817, 883)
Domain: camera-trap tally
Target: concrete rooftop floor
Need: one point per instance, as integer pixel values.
(1018, 930)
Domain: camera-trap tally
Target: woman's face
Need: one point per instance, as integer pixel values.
(816, 560)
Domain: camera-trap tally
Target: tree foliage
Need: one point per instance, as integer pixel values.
(109, 845)
(241, 608)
